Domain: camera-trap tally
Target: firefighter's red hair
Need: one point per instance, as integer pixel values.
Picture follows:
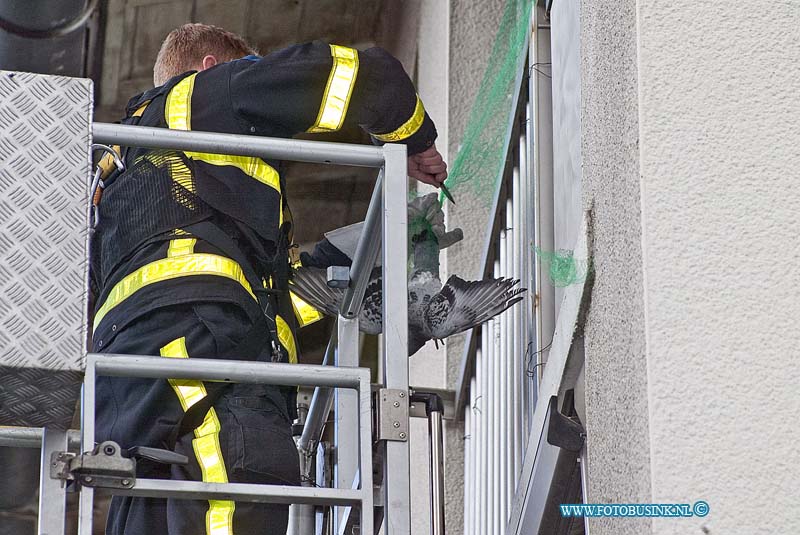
(185, 47)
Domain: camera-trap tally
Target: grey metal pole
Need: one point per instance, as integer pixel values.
(396, 470)
(346, 422)
(437, 472)
(480, 464)
(528, 262)
(215, 143)
(434, 409)
(366, 254)
(542, 193)
(31, 437)
(469, 448)
(365, 457)
(86, 499)
(236, 371)
(319, 408)
(322, 477)
(518, 313)
(485, 466)
(508, 372)
(503, 385)
(249, 492)
(471, 505)
(302, 517)
(497, 522)
(492, 426)
(52, 492)
(526, 198)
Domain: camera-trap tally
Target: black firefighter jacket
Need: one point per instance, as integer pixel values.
(143, 259)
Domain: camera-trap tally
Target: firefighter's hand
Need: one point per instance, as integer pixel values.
(428, 166)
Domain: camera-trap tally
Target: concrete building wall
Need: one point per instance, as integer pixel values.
(428, 366)
(472, 31)
(690, 136)
(719, 140)
(618, 441)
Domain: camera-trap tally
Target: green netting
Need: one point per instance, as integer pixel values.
(418, 224)
(477, 166)
(562, 267)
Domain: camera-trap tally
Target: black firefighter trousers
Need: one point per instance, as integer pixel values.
(244, 438)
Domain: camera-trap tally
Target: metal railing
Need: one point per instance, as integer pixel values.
(348, 384)
(385, 223)
(498, 378)
(517, 367)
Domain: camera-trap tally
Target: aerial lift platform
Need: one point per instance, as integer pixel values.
(46, 148)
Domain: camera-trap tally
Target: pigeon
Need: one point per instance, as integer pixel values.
(435, 311)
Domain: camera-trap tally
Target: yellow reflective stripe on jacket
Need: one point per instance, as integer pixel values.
(286, 338)
(207, 449)
(172, 268)
(178, 114)
(336, 98)
(253, 167)
(305, 313)
(407, 129)
(178, 109)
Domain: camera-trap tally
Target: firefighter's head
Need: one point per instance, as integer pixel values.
(197, 47)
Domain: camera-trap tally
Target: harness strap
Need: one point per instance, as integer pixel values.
(211, 233)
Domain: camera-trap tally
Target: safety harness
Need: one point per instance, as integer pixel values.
(188, 215)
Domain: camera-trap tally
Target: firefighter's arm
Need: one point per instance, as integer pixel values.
(318, 87)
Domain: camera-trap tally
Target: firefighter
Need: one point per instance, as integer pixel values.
(190, 260)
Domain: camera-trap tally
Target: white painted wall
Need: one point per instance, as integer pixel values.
(719, 137)
(690, 135)
(617, 414)
(565, 31)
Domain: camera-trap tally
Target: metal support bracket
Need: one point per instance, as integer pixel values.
(391, 415)
(339, 277)
(102, 467)
(563, 431)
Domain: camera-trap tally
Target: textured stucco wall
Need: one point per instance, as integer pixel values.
(616, 366)
(689, 142)
(472, 30)
(719, 136)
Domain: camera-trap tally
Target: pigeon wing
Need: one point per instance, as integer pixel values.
(311, 284)
(416, 339)
(461, 305)
(371, 318)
